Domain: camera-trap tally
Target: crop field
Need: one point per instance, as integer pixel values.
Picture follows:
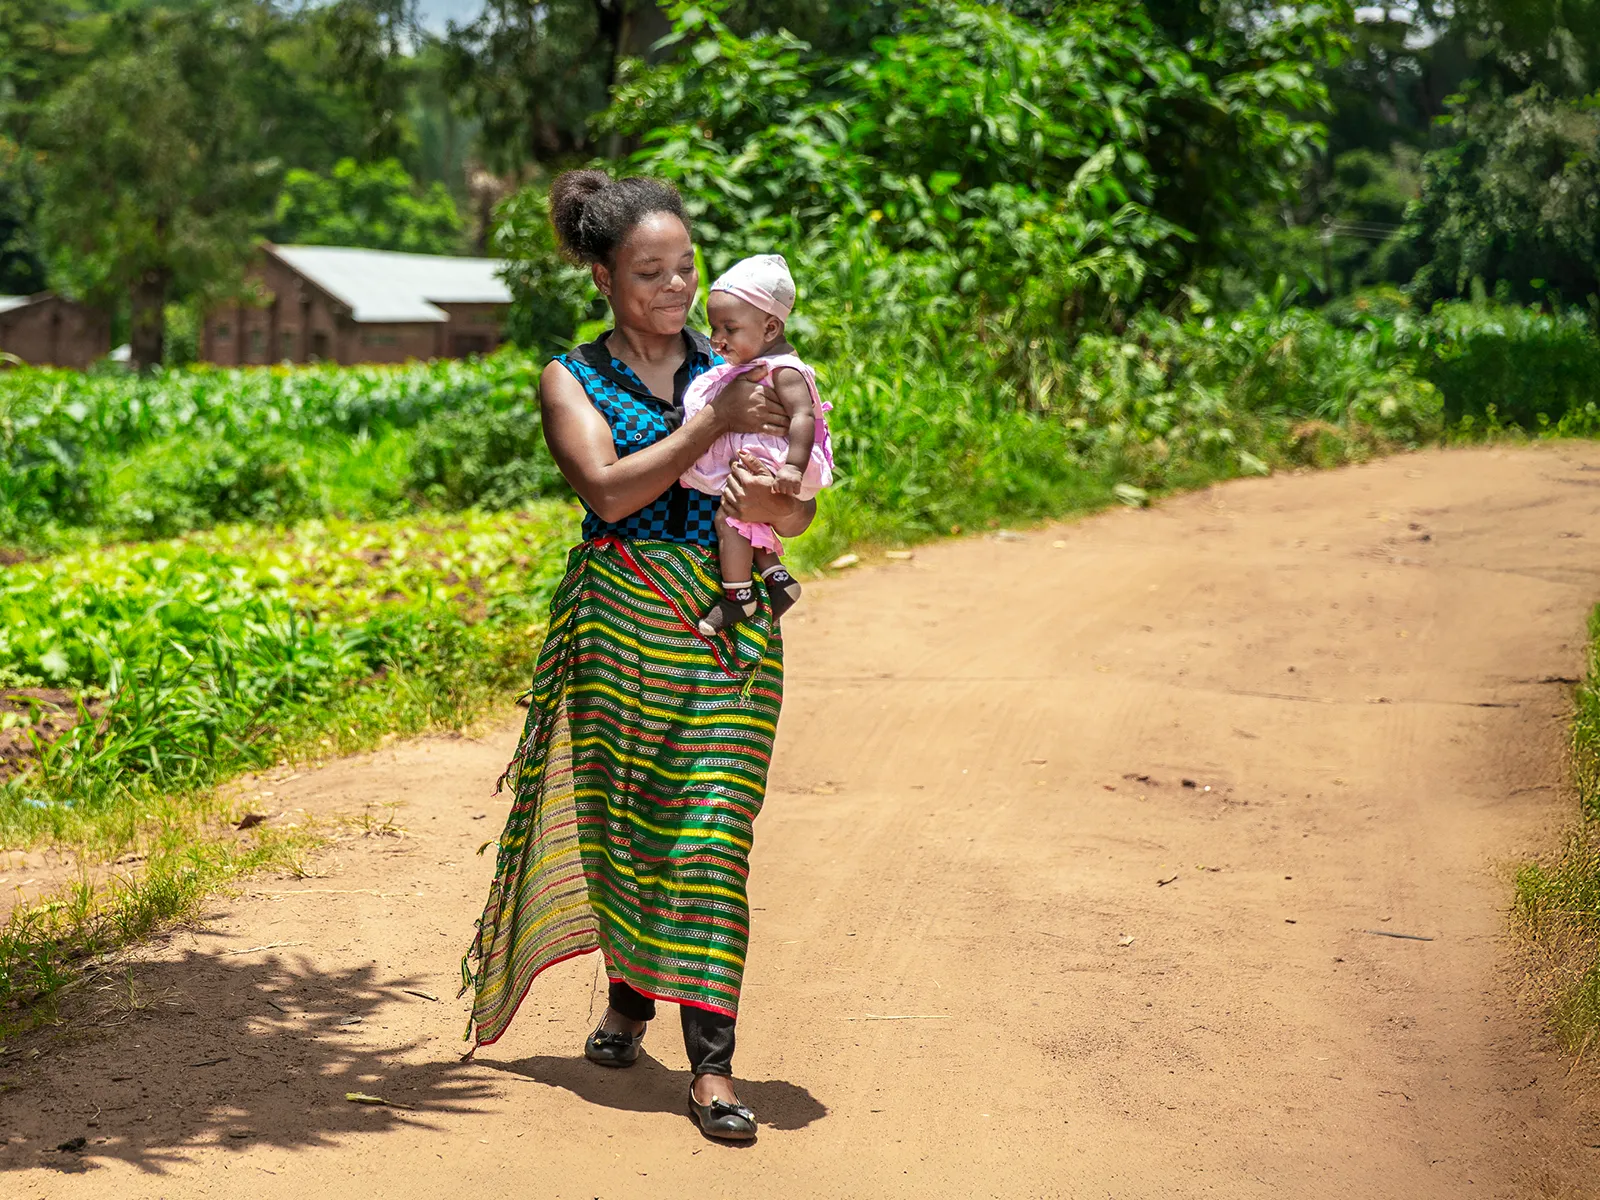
(170, 664)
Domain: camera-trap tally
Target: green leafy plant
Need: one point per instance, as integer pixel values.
(1512, 201)
(377, 205)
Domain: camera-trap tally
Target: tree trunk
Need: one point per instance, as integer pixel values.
(628, 28)
(646, 25)
(148, 334)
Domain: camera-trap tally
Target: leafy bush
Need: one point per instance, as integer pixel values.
(1514, 201)
(550, 296)
(1240, 391)
(377, 205)
(1024, 168)
(1524, 367)
(1495, 365)
(184, 483)
(485, 458)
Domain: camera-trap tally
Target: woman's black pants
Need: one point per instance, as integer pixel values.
(707, 1036)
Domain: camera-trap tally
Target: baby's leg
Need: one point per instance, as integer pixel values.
(781, 586)
(735, 553)
(738, 598)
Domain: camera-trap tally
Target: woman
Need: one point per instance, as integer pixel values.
(645, 756)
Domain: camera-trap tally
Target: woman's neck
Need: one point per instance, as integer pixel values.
(641, 346)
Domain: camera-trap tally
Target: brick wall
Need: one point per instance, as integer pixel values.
(473, 328)
(56, 332)
(389, 343)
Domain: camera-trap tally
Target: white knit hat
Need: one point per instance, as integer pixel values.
(762, 280)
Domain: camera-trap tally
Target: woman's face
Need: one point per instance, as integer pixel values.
(653, 282)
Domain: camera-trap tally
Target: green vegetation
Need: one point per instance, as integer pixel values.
(1051, 257)
(1559, 900)
(378, 206)
(139, 676)
(145, 145)
(162, 454)
(169, 128)
(194, 659)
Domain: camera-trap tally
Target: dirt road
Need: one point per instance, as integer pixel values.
(1064, 888)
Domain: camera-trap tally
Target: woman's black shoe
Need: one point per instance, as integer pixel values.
(719, 1119)
(613, 1049)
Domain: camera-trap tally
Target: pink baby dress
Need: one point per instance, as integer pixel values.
(710, 472)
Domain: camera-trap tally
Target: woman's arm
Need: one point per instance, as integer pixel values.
(580, 442)
(748, 496)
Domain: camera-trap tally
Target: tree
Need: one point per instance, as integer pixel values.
(151, 174)
(1513, 202)
(373, 55)
(32, 62)
(551, 297)
(532, 72)
(1555, 43)
(974, 130)
(21, 272)
(378, 206)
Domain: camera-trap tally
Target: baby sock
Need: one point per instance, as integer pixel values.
(738, 602)
(782, 587)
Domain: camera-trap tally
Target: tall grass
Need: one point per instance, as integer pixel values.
(1558, 900)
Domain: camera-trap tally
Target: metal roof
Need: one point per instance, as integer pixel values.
(388, 286)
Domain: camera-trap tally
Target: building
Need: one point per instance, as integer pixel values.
(45, 329)
(345, 305)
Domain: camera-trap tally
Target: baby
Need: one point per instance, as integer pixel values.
(747, 308)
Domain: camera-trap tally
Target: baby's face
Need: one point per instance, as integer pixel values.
(739, 330)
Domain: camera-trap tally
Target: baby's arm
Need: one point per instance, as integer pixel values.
(795, 397)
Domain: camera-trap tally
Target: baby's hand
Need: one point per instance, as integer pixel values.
(788, 480)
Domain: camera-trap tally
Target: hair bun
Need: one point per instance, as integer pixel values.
(569, 196)
(594, 213)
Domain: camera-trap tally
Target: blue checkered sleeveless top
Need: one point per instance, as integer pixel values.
(638, 418)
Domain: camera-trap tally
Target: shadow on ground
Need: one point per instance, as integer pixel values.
(650, 1086)
(218, 1050)
(226, 1050)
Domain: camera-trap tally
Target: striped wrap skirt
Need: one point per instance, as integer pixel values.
(639, 775)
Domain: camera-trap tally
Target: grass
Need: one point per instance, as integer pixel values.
(1558, 901)
(49, 949)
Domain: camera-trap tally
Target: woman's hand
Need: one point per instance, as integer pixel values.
(749, 405)
(749, 496)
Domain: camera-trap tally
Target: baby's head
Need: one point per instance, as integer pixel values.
(748, 306)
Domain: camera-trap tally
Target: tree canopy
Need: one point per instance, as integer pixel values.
(376, 205)
(164, 124)
(1067, 161)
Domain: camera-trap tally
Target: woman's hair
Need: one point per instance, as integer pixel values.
(594, 213)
